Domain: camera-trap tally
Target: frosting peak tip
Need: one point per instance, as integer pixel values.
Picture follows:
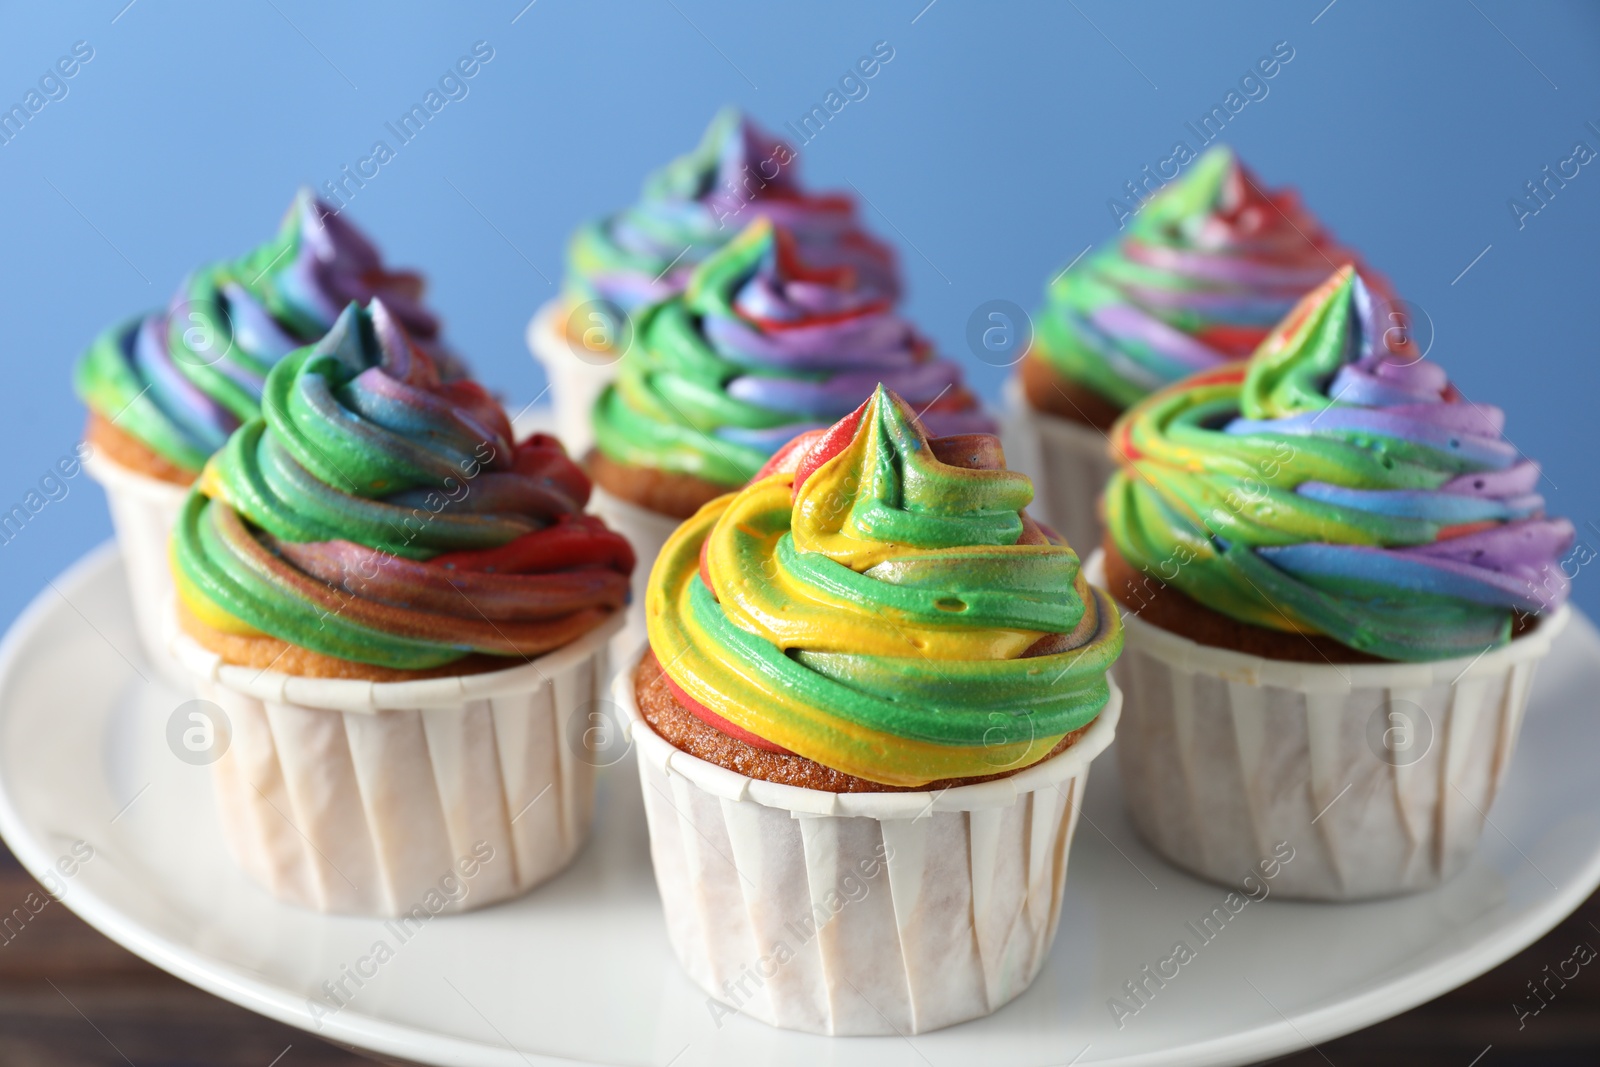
(887, 575)
(1386, 512)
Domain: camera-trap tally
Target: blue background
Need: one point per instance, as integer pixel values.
(988, 147)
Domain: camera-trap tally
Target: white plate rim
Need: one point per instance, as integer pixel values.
(1302, 1030)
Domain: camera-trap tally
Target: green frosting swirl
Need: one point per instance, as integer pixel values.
(377, 514)
(882, 610)
(1336, 486)
(182, 379)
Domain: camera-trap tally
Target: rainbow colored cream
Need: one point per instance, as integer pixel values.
(697, 203)
(761, 347)
(181, 380)
(1330, 486)
(1206, 269)
(879, 602)
(381, 515)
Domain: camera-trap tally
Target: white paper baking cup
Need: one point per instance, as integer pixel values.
(647, 531)
(859, 913)
(364, 798)
(1070, 463)
(144, 511)
(576, 376)
(1380, 775)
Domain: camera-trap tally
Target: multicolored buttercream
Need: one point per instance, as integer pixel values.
(874, 605)
(761, 347)
(1207, 268)
(380, 515)
(1330, 486)
(181, 380)
(698, 203)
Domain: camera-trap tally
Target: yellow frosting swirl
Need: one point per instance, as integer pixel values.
(881, 604)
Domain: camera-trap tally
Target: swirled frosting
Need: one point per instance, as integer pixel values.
(181, 380)
(879, 602)
(378, 514)
(698, 203)
(1331, 486)
(761, 347)
(1207, 268)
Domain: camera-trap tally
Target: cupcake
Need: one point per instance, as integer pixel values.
(1209, 265)
(872, 690)
(1336, 573)
(645, 253)
(402, 614)
(165, 390)
(759, 347)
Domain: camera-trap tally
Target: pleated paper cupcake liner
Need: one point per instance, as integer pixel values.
(379, 798)
(1380, 776)
(865, 913)
(1069, 462)
(144, 511)
(576, 380)
(647, 532)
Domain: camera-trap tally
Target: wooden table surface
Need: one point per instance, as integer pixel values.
(71, 998)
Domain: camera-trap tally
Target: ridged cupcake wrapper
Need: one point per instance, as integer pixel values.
(855, 914)
(144, 511)
(1380, 776)
(647, 532)
(1070, 464)
(575, 383)
(376, 798)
